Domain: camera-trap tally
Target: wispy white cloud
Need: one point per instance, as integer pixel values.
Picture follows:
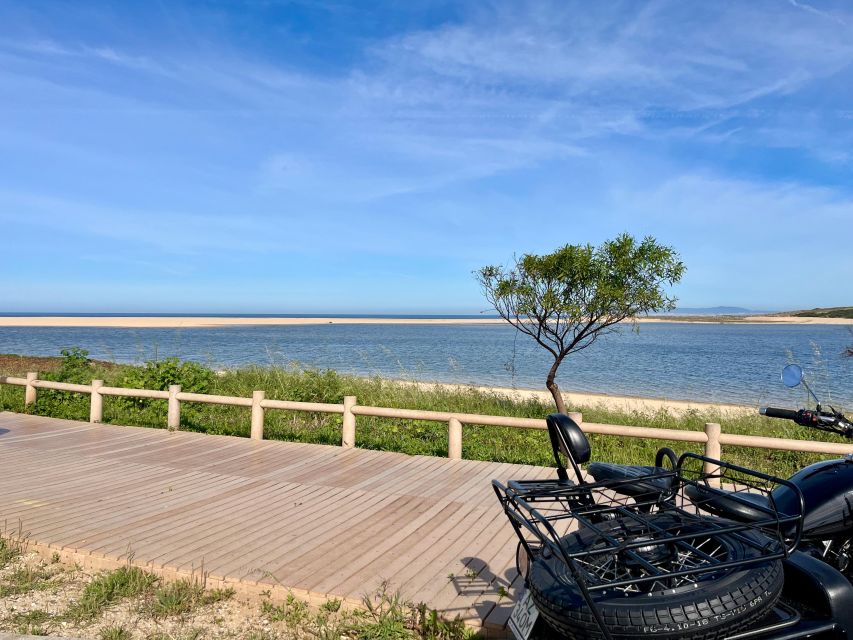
(752, 243)
(608, 58)
(811, 9)
(658, 116)
(527, 77)
(170, 231)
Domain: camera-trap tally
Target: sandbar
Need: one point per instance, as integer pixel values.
(172, 322)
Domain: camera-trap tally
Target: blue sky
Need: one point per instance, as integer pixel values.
(348, 157)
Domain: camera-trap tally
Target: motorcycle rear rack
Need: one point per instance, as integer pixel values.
(544, 512)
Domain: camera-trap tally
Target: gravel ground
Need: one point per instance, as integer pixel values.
(58, 587)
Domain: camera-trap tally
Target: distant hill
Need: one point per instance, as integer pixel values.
(825, 312)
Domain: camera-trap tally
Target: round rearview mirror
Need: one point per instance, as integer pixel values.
(792, 375)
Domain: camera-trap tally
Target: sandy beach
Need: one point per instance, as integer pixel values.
(626, 404)
(799, 320)
(167, 322)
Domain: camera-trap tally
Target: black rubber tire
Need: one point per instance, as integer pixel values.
(719, 606)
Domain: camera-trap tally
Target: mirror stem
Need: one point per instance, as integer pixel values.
(811, 393)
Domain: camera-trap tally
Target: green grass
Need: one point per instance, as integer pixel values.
(23, 580)
(183, 596)
(183, 634)
(37, 622)
(115, 633)
(384, 615)
(293, 612)
(109, 588)
(9, 550)
(406, 436)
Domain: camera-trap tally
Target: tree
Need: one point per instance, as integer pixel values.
(568, 299)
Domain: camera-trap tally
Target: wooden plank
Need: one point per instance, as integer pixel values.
(144, 520)
(331, 521)
(116, 520)
(414, 555)
(272, 543)
(233, 525)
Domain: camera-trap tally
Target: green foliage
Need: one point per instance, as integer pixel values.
(567, 299)
(115, 633)
(293, 612)
(24, 579)
(826, 312)
(431, 626)
(109, 588)
(9, 550)
(387, 617)
(332, 606)
(37, 622)
(183, 634)
(160, 374)
(183, 596)
(76, 366)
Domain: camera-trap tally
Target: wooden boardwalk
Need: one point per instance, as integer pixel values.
(318, 520)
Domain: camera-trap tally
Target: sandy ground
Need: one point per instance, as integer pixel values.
(189, 323)
(799, 320)
(616, 403)
(58, 587)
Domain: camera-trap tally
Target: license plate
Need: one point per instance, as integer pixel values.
(524, 616)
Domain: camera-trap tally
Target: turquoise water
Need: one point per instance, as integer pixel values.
(705, 362)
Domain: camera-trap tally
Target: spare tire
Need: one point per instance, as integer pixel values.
(701, 607)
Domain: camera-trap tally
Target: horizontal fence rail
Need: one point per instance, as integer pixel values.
(712, 437)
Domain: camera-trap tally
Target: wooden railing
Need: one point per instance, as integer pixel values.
(712, 437)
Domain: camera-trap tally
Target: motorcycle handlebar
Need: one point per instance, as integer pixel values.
(832, 422)
(772, 412)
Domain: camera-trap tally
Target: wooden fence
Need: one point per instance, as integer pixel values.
(712, 437)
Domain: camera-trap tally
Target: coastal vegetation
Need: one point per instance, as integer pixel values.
(568, 299)
(44, 596)
(407, 436)
(826, 312)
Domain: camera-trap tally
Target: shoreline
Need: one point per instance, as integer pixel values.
(209, 322)
(14, 365)
(627, 404)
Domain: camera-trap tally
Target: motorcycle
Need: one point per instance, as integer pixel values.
(689, 546)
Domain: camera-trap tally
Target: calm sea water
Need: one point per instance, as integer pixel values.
(705, 362)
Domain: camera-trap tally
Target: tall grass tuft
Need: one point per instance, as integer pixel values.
(108, 589)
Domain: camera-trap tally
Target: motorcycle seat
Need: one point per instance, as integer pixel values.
(568, 439)
(747, 507)
(606, 471)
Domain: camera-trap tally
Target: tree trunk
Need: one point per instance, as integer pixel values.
(554, 389)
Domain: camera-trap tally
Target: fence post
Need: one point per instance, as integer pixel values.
(258, 415)
(348, 430)
(577, 416)
(712, 450)
(173, 417)
(454, 439)
(96, 403)
(30, 390)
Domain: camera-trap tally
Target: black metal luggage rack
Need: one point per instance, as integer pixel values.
(548, 514)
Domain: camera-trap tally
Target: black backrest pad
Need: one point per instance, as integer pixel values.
(571, 440)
